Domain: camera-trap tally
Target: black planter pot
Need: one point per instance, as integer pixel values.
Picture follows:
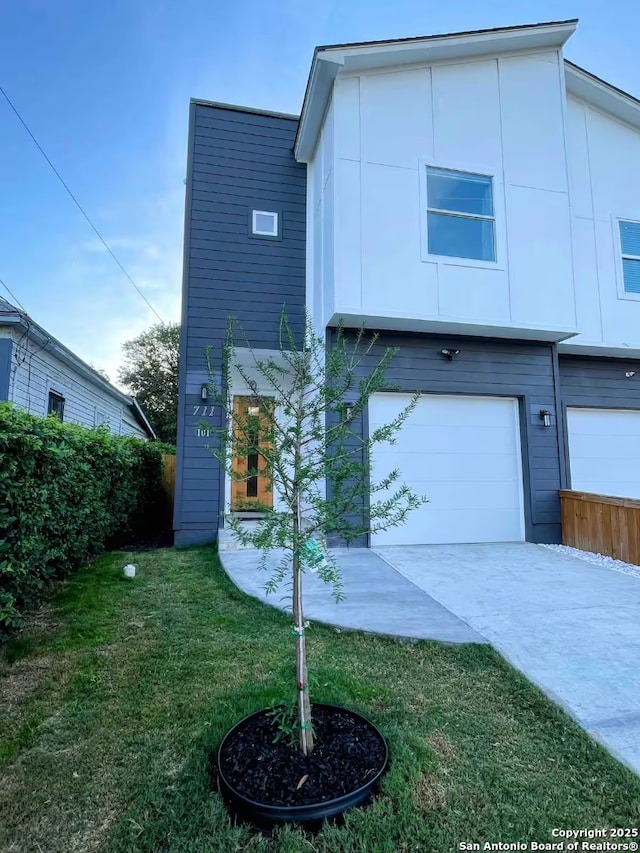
(311, 815)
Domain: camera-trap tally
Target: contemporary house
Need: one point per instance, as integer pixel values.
(43, 377)
(473, 198)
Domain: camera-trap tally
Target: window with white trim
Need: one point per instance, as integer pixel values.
(460, 215)
(630, 245)
(264, 223)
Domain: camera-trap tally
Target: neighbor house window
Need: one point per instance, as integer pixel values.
(55, 405)
(460, 215)
(630, 245)
(264, 223)
(101, 418)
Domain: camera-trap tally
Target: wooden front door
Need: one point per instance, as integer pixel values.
(252, 418)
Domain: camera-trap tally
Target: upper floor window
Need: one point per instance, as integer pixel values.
(460, 215)
(264, 223)
(630, 245)
(55, 405)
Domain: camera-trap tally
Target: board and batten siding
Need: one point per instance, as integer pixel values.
(501, 116)
(35, 371)
(238, 161)
(490, 367)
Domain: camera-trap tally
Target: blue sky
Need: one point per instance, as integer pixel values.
(105, 87)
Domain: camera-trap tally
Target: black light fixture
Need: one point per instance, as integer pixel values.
(450, 354)
(545, 417)
(204, 392)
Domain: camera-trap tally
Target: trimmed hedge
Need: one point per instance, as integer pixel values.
(66, 493)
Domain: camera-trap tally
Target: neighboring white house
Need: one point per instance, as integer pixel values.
(42, 376)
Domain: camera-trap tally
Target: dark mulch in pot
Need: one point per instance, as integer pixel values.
(348, 753)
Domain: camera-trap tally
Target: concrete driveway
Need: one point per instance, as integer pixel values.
(570, 626)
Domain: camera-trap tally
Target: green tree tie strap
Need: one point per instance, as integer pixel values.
(311, 554)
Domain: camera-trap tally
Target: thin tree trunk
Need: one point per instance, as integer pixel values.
(304, 702)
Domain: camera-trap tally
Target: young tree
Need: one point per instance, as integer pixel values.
(150, 372)
(310, 451)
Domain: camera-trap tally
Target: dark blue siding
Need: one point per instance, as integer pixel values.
(6, 349)
(597, 383)
(492, 368)
(238, 161)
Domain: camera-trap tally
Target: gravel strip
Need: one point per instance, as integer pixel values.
(596, 559)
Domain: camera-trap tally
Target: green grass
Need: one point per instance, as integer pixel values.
(114, 698)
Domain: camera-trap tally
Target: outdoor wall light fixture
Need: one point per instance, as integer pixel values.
(347, 410)
(545, 417)
(204, 392)
(450, 354)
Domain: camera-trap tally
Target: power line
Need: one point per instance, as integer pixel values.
(77, 203)
(13, 296)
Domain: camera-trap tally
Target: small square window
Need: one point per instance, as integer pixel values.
(55, 405)
(101, 418)
(630, 245)
(264, 223)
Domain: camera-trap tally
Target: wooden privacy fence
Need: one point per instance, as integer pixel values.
(169, 480)
(606, 525)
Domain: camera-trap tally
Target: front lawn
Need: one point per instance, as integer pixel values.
(113, 699)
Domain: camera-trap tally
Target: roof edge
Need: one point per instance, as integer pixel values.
(357, 56)
(138, 413)
(605, 96)
(461, 34)
(221, 105)
(25, 321)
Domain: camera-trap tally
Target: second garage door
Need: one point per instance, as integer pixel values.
(463, 454)
(604, 451)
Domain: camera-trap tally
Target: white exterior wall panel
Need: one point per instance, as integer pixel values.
(500, 116)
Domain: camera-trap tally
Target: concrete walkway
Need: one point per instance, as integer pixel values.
(571, 626)
(377, 598)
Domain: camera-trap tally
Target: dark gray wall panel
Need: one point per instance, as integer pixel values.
(599, 382)
(237, 161)
(6, 349)
(493, 368)
(588, 381)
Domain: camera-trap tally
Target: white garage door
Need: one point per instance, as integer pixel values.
(463, 454)
(604, 451)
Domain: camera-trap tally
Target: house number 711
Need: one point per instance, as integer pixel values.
(204, 413)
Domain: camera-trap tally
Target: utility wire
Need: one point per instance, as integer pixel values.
(13, 296)
(76, 202)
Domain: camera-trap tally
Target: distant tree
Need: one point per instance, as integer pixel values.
(150, 374)
(101, 371)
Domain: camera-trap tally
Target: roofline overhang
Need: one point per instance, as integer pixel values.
(239, 108)
(28, 325)
(329, 60)
(587, 87)
(137, 411)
